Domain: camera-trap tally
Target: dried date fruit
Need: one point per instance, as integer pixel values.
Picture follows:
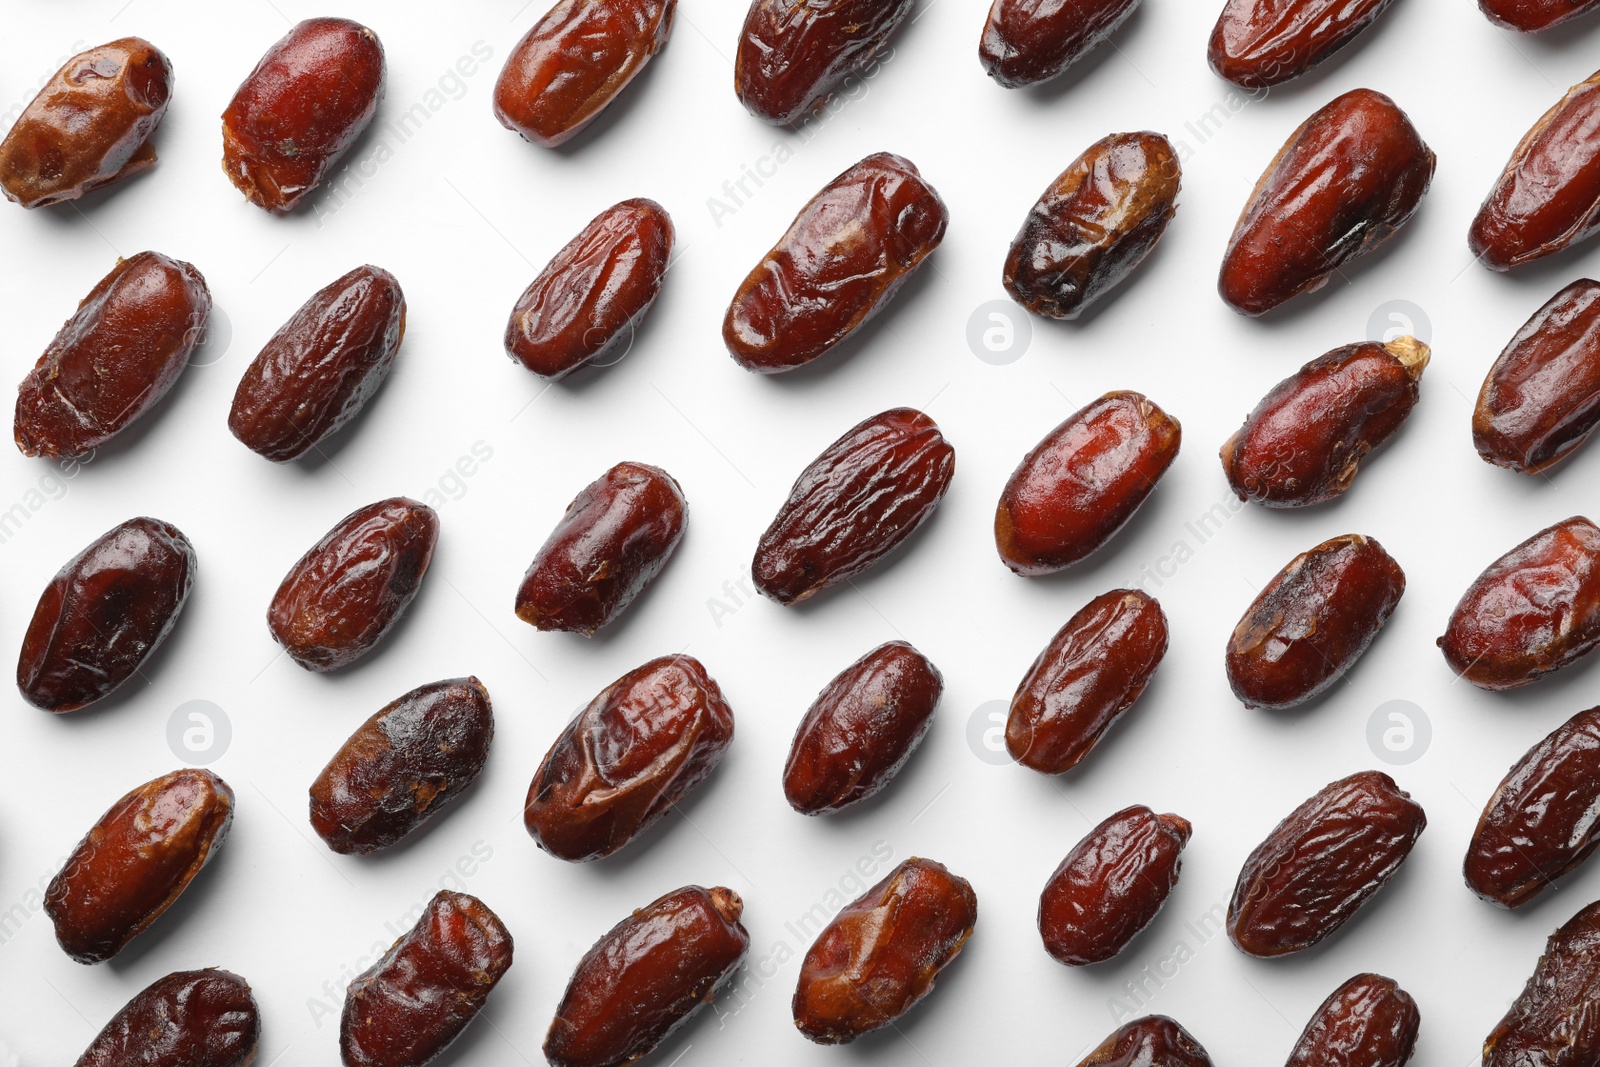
(297, 114)
(89, 126)
(345, 593)
(1153, 1041)
(1025, 42)
(1344, 182)
(187, 1019)
(842, 259)
(1367, 1022)
(1095, 223)
(1083, 482)
(136, 861)
(412, 1004)
(1111, 885)
(118, 355)
(1257, 44)
(1321, 863)
(1533, 16)
(794, 53)
(868, 491)
(1312, 622)
(626, 759)
(883, 952)
(861, 730)
(647, 976)
(1087, 677)
(1552, 1023)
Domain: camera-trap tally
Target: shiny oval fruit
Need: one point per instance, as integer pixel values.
(1534, 16)
(1367, 1022)
(187, 1019)
(1153, 1041)
(1260, 43)
(1552, 1022)
(794, 53)
(1025, 42)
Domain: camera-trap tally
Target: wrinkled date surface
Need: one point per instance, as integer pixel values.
(1111, 885)
(1367, 1022)
(1153, 1041)
(1090, 673)
(861, 729)
(1094, 225)
(300, 110)
(1531, 16)
(403, 766)
(136, 861)
(624, 761)
(119, 354)
(1344, 182)
(842, 259)
(1305, 442)
(343, 595)
(89, 126)
(1553, 1022)
(884, 952)
(187, 1019)
(793, 53)
(1532, 611)
(1312, 622)
(646, 977)
(1028, 41)
(585, 304)
(410, 1005)
(1083, 482)
(1319, 865)
(1260, 43)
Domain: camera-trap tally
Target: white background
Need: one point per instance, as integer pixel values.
(465, 213)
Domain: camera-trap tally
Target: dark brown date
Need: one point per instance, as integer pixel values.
(1321, 863)
(869, 491)
(187, 1019)
(297, 114)
(1532, 611)
(587, 302)
(118, 355)
(883, 952)
(639, 747)
(1087, 677)
(794, 53)
(1261, 43)
(1367, 1022)
(136, 861)
(1344, 182)
(1532, 16)
(1028, 41)
(89, 126)
(861, 729)
(1553, 1022)
(1111, 885)
(647, 976)
(1153, 1041)
(351, 587)
(1312, 622)
(1094, 224)
(842, 259)
(412, 1004)
(403, 766)
(1083, 482)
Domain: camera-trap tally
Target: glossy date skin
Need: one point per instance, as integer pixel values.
(1367, 1022)
(841, 261)
(308, 100)
(1153, 1041)
(794, 53)
(861, 729)
(1344, 182)
(1533, 16)
(1261, 43)
(1552, 1023)
(351, 587)
(136, 861)
(1321, 863)
(1025, 42)
(1094, 224)
(413, 1003)
(639, 747)
(647, 976)
(89, 126)
(187, 1019)
(883, 952)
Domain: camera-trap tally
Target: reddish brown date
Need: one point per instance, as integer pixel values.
(118, 355)
(639, 747)
(297, 114)
(861, 729)
(1321, 863)
(1111, 885)
(1260, 43)
(1532, 611)
(413, 1003)
(884, 952)
(869, 491)
(647, 976)
(840, 262)
(1094, 224)
(794, 53)
(1087, 677)
(136, 861)
(1312, 622)
(89, 126)
(1552, 1023)
(1083, 482)
(1030, 41)
(187, 1019)
(1153, 1041)
(589, 299)
(1344, 182)
(1367, 1022)
(351, 587)
(403, 766)
(1532, 16)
